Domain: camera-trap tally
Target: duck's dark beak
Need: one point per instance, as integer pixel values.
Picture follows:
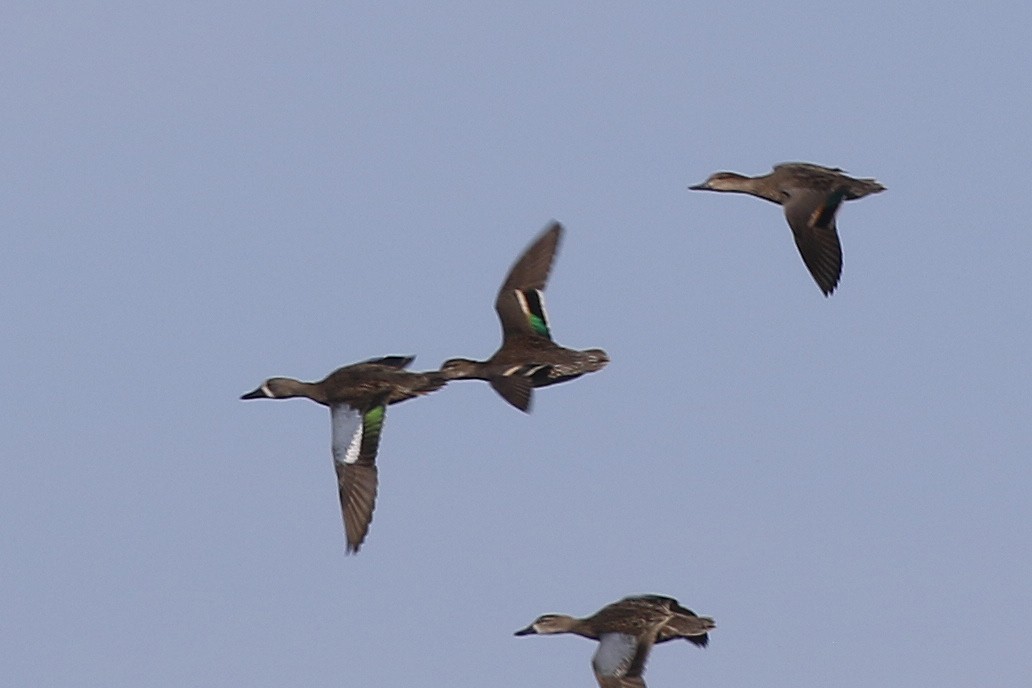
(701, 186)
(529, 630)
(256, 394)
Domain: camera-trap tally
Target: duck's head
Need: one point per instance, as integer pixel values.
(460, 369)
(547, 624)
(721, 181)
(274, 388)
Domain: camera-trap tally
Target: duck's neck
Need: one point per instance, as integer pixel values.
(310, 390)
(465, 369)
(754, 186)
(479, 370)
(582, 628)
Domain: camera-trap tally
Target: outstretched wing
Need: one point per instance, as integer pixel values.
(619, 661)
(356, 438)
(521, 300)
(515, 389)
(811, 215)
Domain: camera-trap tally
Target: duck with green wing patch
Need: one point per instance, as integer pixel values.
(528, 357)
(357, 396)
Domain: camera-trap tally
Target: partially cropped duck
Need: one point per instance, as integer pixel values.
(358, 396)
(528, 357)
(626, 631)
(811, 195)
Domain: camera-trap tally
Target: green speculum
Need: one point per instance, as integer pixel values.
(373, 419)
(536, 314)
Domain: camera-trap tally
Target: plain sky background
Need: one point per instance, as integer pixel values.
(199, 196)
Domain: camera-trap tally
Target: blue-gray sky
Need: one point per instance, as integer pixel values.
(197, 197)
